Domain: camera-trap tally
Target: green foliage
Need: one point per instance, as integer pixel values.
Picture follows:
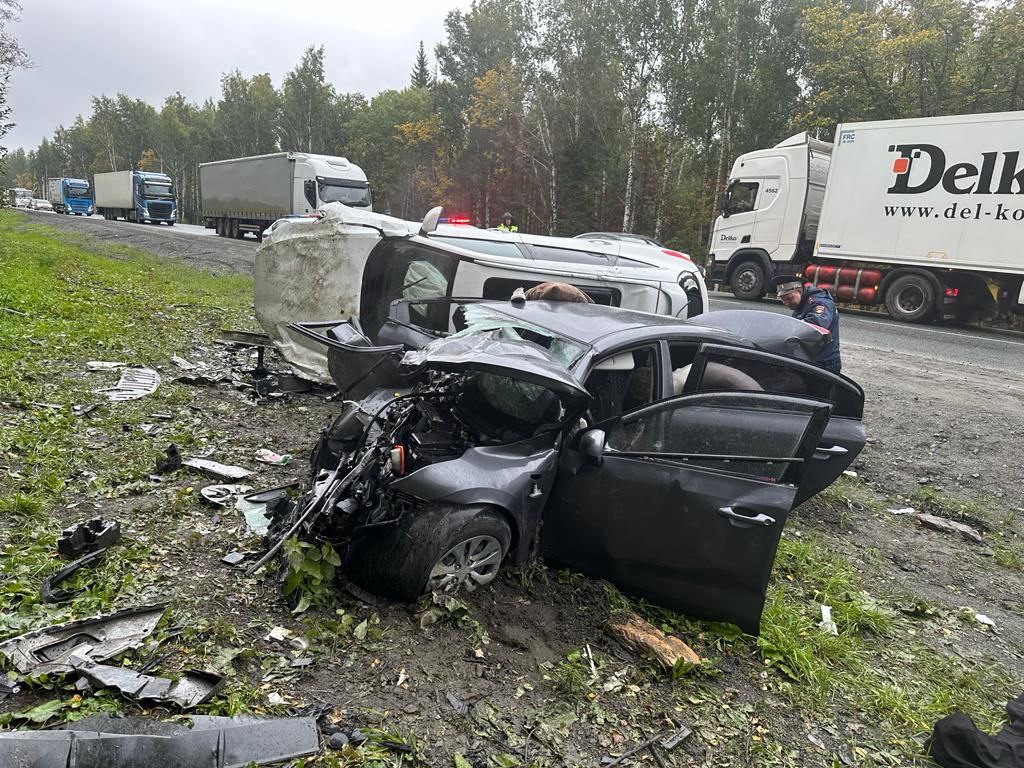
(571, 677)
(311, 570)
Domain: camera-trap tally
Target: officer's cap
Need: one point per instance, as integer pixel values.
(784, 283)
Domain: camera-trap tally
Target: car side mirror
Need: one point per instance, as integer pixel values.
(592, 447)
(430, 221)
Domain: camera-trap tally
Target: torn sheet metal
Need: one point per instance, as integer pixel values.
(313, 271)
(47, 650)
(217, 470)
(212, 742)
(91, 536)
(134, 384)
(51, 595)
(190, 690)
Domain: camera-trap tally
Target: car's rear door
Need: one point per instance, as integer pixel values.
(718, 366)
(690, 500)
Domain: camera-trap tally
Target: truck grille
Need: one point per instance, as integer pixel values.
(160, 210)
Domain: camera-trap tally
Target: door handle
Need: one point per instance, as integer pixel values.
(826, 452)
(745, 521)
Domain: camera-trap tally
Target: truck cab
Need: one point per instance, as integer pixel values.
(70, 196)
(324, 179)
(154, 198)
(769, 213)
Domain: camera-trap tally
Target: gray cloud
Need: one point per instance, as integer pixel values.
(149, 50)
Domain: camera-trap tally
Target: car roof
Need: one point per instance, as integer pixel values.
(589, 323)
(475, 233)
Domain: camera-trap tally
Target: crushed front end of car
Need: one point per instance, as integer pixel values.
(432, 485)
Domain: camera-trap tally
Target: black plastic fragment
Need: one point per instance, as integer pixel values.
(90, 536)
(47, 592)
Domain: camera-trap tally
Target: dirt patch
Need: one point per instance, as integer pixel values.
(209, 252)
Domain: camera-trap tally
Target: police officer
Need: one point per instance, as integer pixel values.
(508, 224)
(814, 306)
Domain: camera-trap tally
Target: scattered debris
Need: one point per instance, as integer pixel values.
(134, 384)
(266, 456)
(182, 363)
(944, 525)
(47, 650)
(221, 495)
(47, 592)
(191, 689)
(850, 473)
(216, 470)
(171, 462)
(212, 742)
(103, 365)
(255, 515)
(285, 635)
(270, 495)
(84, 410)
(826, 622)
(91, 536)
(337, 740)
(233, 558)
(667, 741)
(981, 618)
(904, 511)
(645, 638)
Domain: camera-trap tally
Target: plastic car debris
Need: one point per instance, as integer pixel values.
(221, 495)
(212, 742)
(190, 690)
(91, 536)
(103, 365)
(171, 462)
(233, 558)
(47, 650)
(47, 592)
(255, 515)
(667, 741)
(270, 494)
(216, 470)
(134, 384)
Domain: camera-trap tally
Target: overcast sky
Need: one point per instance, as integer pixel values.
(149, 49)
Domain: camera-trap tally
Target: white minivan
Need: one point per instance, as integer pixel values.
(349, 262)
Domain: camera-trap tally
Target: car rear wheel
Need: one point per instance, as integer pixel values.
(444, 548)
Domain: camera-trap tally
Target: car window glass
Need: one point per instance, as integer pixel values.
(680, 363)
(488, 247)
(503, 287)
(549, 253)
(722, 435)
(729, 373)
(619, 389)
(741, 197)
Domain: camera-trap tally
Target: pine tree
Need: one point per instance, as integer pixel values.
(421, 69)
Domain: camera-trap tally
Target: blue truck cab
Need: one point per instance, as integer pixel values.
(141, 196)
(71, 196)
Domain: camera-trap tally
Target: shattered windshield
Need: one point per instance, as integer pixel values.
(481, 319)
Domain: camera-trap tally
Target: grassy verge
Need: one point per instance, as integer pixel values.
(61, 306)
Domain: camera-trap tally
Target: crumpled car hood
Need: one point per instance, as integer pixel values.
(520, 360)
(770, 331)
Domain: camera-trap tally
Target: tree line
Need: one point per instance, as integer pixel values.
(577, 115)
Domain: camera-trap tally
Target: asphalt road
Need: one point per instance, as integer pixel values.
(930, 343)
(188, 229)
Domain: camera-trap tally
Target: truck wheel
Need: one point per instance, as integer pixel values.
(910, 299)
(443, 548)
(748, 281)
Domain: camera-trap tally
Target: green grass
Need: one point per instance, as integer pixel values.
(60, 306)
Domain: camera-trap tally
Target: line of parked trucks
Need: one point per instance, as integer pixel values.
(921, 216)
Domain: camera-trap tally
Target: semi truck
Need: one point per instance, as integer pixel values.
(922, 216)
(19, 197)
(70, 196)
(138, 196)
(248, 194)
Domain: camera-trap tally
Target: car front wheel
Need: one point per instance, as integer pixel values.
(439, 548)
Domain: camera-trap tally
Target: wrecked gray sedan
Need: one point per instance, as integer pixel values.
(659, 454)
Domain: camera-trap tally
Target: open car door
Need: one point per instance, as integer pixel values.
(687, 500)
(719, 367)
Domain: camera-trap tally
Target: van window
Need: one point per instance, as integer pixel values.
(549, 253)
(501, 288)
(487, 247)
(399, 269)
(741, 197)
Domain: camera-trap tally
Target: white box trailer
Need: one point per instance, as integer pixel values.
(924, 215)
(248, 194)
(113, 190)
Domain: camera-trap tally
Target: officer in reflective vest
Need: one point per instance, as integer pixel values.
(508, 224)
(817, 307)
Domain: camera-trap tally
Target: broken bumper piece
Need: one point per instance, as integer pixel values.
(212, 742)
(48, 650)
(190, 690)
